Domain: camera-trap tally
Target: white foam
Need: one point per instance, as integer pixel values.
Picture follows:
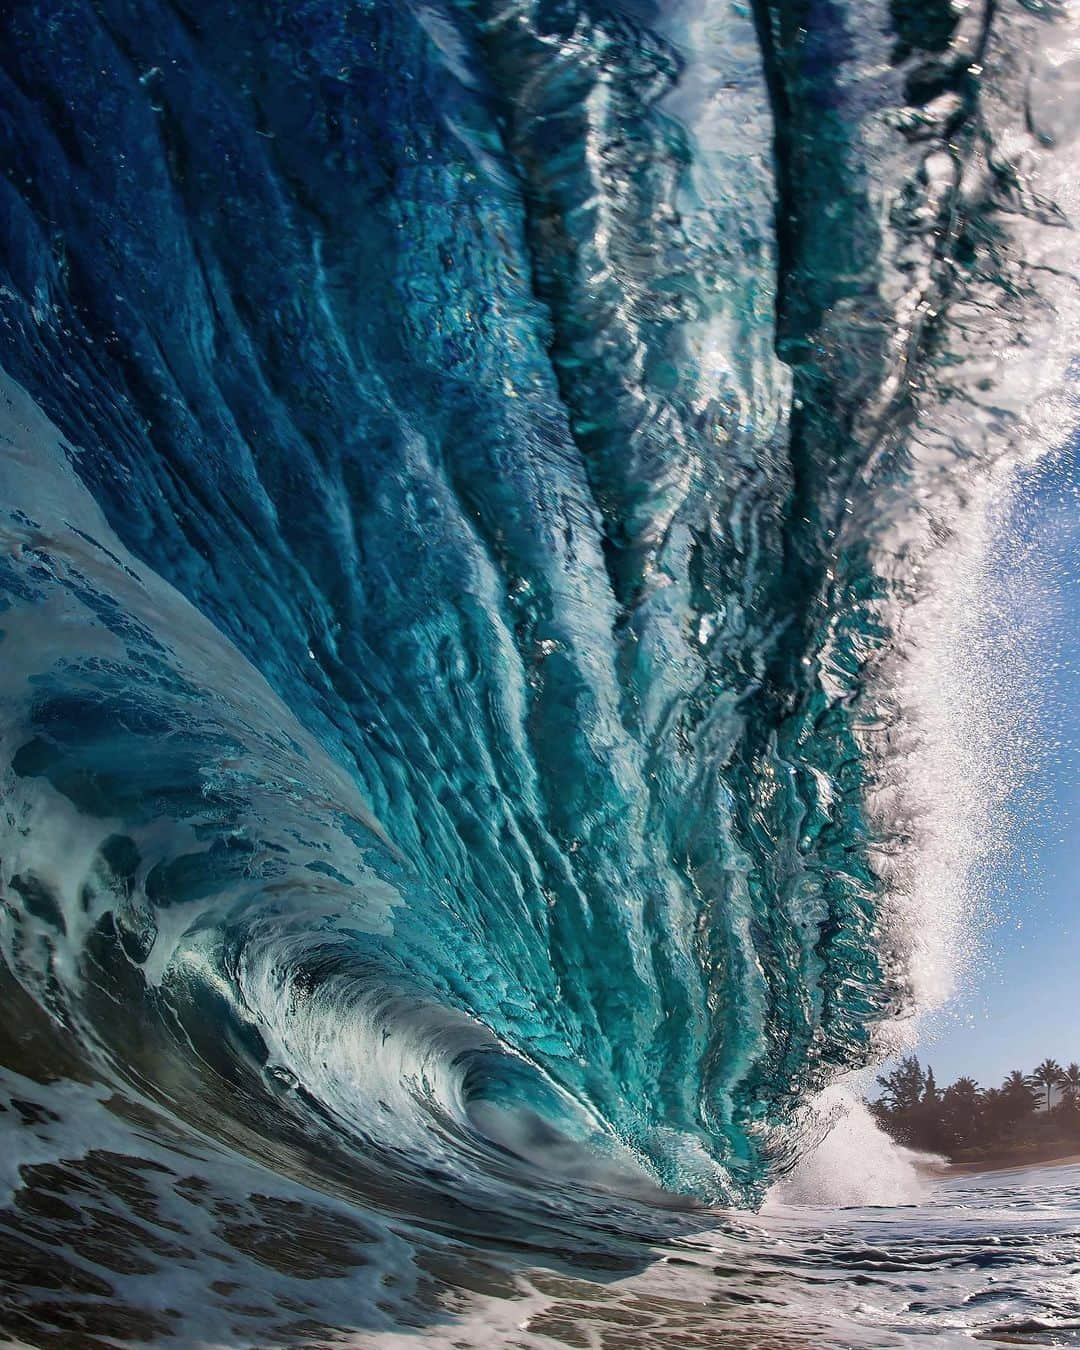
(855, 1163)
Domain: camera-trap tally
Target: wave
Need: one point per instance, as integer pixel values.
(491, 495)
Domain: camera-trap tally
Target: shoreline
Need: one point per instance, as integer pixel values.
(1010, 1162)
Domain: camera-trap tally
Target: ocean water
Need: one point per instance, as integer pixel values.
(494, 501)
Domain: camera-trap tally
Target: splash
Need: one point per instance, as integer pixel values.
(853, 1163)
(491, 493)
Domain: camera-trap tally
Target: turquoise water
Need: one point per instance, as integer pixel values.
(194, 1246)
(490, 501)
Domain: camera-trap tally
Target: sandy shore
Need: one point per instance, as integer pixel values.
(1005, 1163)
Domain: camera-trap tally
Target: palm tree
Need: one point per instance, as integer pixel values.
(1017, 1083)
(965, 1089)
(1047, 1075)
(1070, 1082)
(1019, 1090)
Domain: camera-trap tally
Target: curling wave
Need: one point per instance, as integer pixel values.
(487, 491)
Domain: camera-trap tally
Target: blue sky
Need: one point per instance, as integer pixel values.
(1021, 1001)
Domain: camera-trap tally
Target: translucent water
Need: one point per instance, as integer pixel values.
(491, 501)
(189, 1245)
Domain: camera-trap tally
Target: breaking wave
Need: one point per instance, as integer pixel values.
(491, 497)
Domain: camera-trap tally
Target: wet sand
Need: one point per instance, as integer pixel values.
(1012, 1162)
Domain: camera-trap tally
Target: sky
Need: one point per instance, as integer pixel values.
(1020, 1001)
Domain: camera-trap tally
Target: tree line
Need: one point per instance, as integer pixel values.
(1030, 1113)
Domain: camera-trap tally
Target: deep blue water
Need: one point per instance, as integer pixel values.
(464, 470)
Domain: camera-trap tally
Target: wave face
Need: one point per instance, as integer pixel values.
(465, 471)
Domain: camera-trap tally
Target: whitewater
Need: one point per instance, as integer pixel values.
(494, 507)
